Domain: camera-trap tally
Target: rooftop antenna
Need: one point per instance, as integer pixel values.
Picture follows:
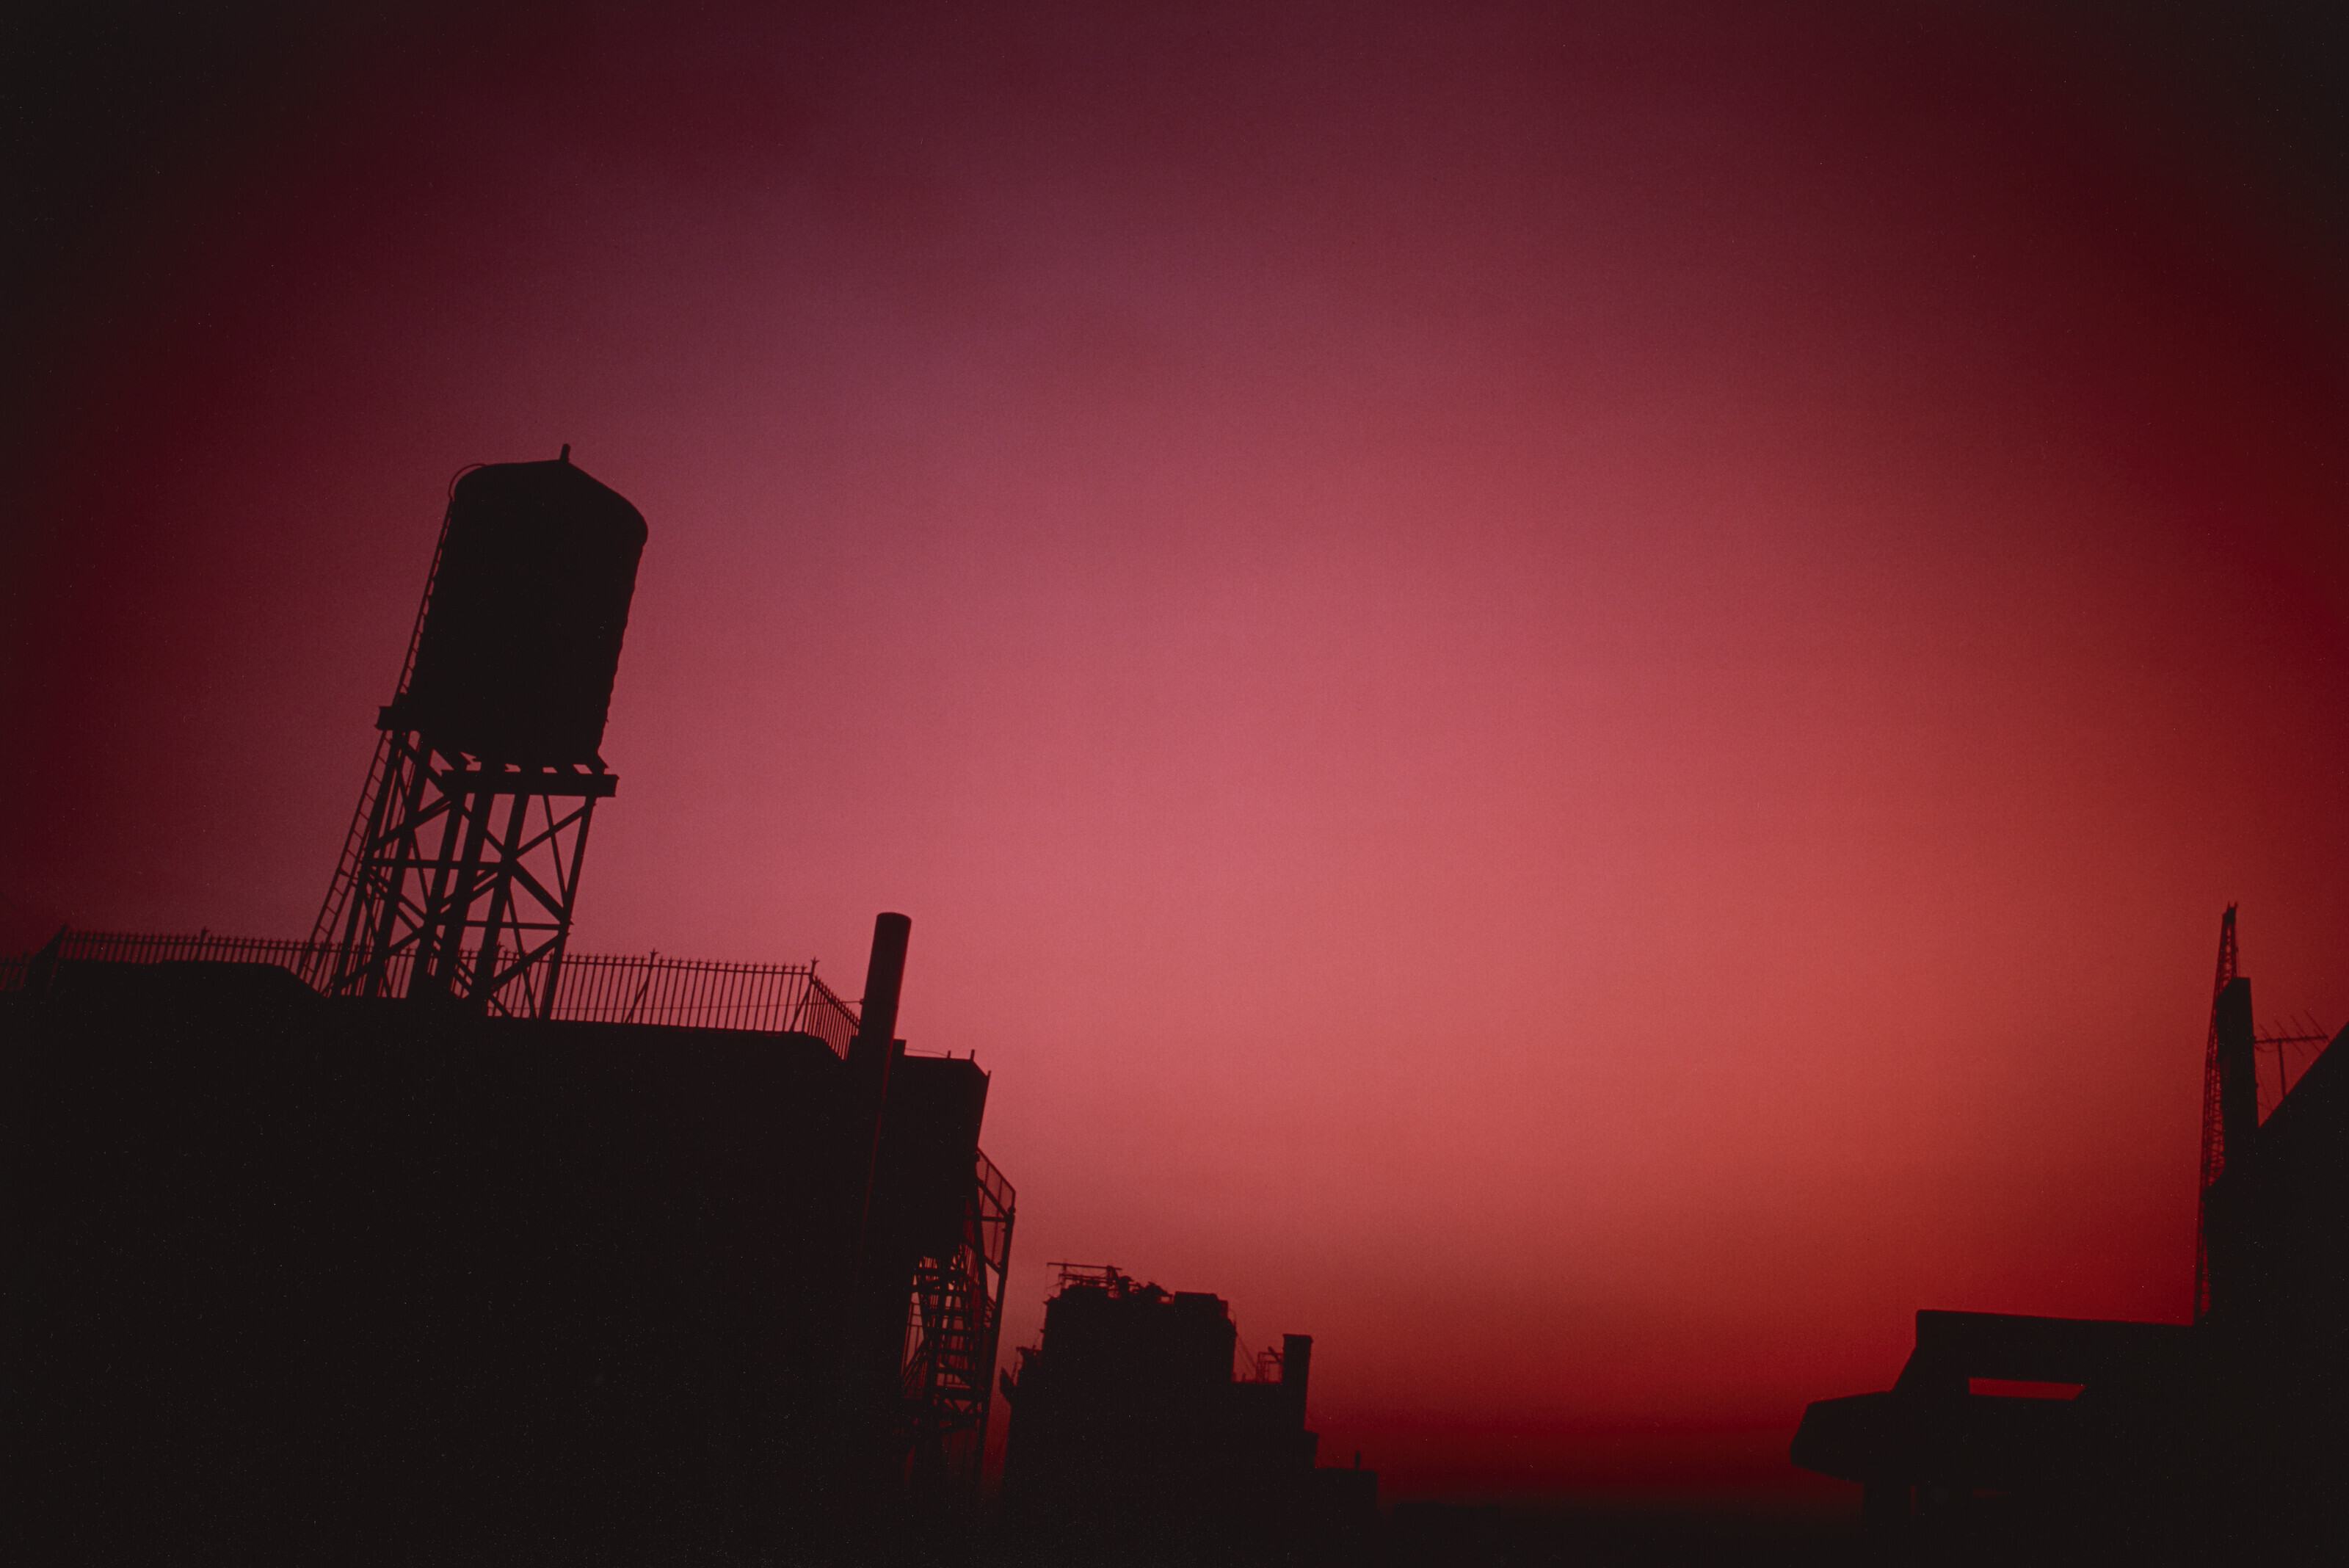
(2305, 1031)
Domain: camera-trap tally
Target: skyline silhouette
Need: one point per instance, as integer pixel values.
(1564, 695)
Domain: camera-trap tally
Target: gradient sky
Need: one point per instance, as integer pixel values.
(1566, 693)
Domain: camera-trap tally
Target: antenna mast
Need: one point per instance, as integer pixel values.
(2214, 1128)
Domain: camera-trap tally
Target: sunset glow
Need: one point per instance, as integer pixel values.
(1565, 695)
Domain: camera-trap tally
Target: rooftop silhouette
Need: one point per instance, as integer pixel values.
(2218, 1441)
(428, 1240)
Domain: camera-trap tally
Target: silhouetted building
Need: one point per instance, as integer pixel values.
(1941, 1461)
(1130, 1431)
(2223, 1442)
(429, 1241)
(2277, 1357)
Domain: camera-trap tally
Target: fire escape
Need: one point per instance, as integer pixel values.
(952, 1327)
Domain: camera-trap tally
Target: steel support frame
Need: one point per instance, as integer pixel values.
(449, 889)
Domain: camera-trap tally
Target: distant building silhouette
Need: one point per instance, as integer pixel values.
(1128, 1427)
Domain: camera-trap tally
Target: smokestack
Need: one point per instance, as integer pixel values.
(884, 979)
(869, 1057)
(873, 1343)
(2239, 1087)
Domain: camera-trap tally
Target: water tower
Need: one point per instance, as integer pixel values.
(461, 870)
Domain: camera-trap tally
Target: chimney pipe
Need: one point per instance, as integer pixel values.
(884, 979)
(869, 1057)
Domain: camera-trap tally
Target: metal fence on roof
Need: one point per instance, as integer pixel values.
(603, 988)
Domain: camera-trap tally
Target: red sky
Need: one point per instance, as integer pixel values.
(1567, 694)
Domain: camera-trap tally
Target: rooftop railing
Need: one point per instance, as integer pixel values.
(602, 988)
